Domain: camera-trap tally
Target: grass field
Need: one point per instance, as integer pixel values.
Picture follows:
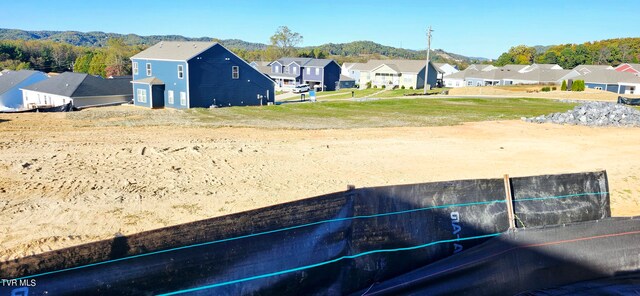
(380, 113)
(329, 114)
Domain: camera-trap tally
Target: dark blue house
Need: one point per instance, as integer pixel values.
(196, 74)
(322, 74)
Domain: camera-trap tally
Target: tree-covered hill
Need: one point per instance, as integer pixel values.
(353, 51)
(604, 52)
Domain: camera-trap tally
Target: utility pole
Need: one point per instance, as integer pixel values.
(427, 86)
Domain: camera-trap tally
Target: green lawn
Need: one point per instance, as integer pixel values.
(379, 113)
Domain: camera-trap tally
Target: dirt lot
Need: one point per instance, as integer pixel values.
(62, 184)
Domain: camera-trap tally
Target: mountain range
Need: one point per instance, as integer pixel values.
(356, 48)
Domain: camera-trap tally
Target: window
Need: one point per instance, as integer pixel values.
(180, 71)
(183, 98)
(277, 69)
(308, 71)
(235, 72)
(170, 97)
(295, 69)
(469, 83)
(134, 67)
(317, 71)
(148, 69)
(142, 95)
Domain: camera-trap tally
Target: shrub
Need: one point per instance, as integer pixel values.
(564, 85)
(384, 86)
(578, 85)
(402, 87)
(369, 84)
(545, 89)
(554, 88)
(410, 87)
(375, 86)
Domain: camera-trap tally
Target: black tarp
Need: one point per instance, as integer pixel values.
(628, 101)
(533, 261)
(62, 108)
(328, 245)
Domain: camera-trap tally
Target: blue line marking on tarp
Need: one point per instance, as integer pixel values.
(327, 262)
(305, 225)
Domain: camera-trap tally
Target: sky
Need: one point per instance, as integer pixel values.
(471, 28)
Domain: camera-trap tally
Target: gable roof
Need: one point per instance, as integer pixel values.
(346, 78)
(305, 62)
(73, 85)
(402, 66)
(590, 68)
(541, 75)
(481, 67)
(174, 50)
(494, 74)
(514, 67)
(10, 79)
(609, 77)
(462, 74)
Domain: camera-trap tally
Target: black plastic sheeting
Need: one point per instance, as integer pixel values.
(628, 101)
(62, 108)
(534, 261)
(328, 245)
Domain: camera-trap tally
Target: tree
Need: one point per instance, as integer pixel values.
(564, 85)
(83, 62)
(284, 41)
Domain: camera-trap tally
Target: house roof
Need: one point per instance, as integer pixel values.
(409, 66)
(544, 66)
(634, 66)
(514, 67)
(174, 50)
(71, 84)
(495, 74)
(463, 74)
(149, 80)
(262, 66)
(305, 62)
(346, 78)
(10, 79)
(480, 67)
(591, 68)
(609, 77)
(540, 75)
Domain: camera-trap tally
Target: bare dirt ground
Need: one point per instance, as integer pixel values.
(533, 92)
(62, 184)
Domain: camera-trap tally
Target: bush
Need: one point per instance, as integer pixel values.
(375, 86)
(554, 88)
(578, 85)
(402, 87)
(545, 89)
(564, 85)
(410, 87)
(369, 84)
(384, 86)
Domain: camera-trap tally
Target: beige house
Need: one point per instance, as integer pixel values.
(398, 73)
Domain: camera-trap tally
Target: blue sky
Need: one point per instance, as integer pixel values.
(472, 28)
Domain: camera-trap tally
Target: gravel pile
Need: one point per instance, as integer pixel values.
(593, 114)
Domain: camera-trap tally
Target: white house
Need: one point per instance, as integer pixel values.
(82, 90)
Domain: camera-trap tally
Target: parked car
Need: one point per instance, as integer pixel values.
(301, 88)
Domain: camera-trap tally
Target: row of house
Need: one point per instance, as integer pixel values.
(623, 79)
(27, 89)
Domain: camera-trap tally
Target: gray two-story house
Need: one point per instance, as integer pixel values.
(321, 74)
